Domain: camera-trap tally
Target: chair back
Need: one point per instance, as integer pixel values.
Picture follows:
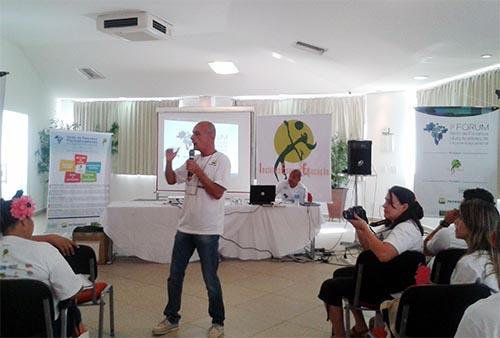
(387, 277)
(436, 310)
(83, 261)
(27, 308)
(444, 264)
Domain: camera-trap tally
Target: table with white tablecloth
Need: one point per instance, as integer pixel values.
(146, 229)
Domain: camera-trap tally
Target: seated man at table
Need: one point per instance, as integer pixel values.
(292, 189)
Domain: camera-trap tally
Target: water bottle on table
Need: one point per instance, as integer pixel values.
(296, 198)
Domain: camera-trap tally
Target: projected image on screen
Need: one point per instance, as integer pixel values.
(177, 135)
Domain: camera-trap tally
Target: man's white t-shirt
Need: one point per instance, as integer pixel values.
(27, 259)
(201, 213)
(287, 193)
(481, 319)
(445, 239)
(403, 237)
(473, 267)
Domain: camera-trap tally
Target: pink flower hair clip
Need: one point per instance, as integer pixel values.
(22, 207)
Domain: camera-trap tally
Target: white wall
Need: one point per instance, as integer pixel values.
(26, 93)
(388, 110)
(130, 187)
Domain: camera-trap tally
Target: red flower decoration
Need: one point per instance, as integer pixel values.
(22, 207)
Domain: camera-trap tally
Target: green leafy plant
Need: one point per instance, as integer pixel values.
(43, 152)
(114, 138)
(339, 163)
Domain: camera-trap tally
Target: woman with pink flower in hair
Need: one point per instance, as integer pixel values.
(22, 257)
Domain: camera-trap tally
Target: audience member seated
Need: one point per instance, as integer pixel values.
(64, 245)
(292, 188)
(481, 318)
(23, 257)
(402, 233)
(476, 225)
(443, 236)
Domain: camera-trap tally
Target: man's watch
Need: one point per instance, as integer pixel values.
(444, 224)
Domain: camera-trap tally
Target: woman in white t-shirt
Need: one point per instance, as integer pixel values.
(475, 225)
(481, 318)
(23, 258)
(402, 233)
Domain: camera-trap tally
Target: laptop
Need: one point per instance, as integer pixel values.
(262, 194)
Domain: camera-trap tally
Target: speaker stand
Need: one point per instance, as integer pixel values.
(355, 189)
(312, 249)
(356, 239)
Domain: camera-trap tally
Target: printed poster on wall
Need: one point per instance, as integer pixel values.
(79, 172)
(289, 142)
(456, 149)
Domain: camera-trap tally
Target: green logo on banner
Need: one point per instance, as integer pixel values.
(293, 142)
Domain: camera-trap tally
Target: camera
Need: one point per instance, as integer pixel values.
(356, 210)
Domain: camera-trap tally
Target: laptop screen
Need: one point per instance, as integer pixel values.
(262, 194)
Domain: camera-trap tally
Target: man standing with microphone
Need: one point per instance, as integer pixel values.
(200, 225)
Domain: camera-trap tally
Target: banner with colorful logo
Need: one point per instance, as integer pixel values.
(79, 172)
(287, 142)
(456, 149)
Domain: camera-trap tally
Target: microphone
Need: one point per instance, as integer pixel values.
(379, 223)
(191, 157)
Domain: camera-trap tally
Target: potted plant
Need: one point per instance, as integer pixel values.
(339, 178)
(43, 152)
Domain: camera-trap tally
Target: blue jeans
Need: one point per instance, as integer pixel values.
(208, 250)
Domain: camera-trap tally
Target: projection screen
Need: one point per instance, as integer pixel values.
(234, 138)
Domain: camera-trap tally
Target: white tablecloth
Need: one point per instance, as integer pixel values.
(146, 229)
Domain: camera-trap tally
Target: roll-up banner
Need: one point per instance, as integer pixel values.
(287, 142)
(79, 174)
(456, 149)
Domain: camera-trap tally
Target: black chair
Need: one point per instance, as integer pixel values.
(436, 310)
(444, 264)
(27, 309)
(371, 274)
(84, 262)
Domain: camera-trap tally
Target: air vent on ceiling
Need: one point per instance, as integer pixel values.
(125, 22)
(310, 48)
(134, 26)
(90, 73)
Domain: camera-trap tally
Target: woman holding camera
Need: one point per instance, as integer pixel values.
(403, 232)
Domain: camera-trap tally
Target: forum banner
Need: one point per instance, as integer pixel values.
(79, 173)
(288, 142)
(456, 149)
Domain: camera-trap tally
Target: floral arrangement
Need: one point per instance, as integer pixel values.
(22, 207)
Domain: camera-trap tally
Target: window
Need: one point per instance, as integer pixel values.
(14, 153)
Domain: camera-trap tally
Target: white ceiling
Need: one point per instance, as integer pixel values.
(373, 45)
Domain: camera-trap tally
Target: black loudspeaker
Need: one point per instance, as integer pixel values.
(359, 157)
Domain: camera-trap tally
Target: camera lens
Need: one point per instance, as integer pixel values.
(348, 214)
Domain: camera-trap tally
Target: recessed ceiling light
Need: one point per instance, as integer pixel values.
(223, 67)
(486, 56)
(421, 77)
(277, 55)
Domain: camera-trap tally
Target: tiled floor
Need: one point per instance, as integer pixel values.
(262, 299)
(269, 298)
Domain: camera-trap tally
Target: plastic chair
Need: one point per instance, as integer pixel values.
(436, 310)
(84, 262)
(372, 274)
(28, 309)
(444, 264)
